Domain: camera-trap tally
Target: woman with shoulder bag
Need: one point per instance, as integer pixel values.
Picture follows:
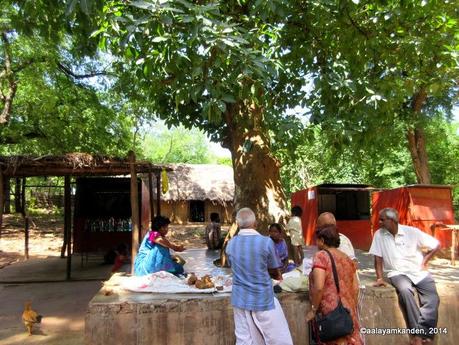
(333, 313)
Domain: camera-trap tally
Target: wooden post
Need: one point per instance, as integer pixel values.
(26, 237)
(68, 224)
(26, 219)
(158, 193)
(17, 195)
(134, 210)
(453, 246)
(7, 196)
(150, 191)
(1, 201)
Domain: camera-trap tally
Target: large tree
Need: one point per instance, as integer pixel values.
(377, 66)
(215, 66)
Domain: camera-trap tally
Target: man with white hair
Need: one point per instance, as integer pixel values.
(399, 248)
(258, 315)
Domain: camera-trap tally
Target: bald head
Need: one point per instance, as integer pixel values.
(324, 219)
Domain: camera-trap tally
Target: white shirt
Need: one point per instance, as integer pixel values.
(402, 254)
(295, 231)
(346, 247)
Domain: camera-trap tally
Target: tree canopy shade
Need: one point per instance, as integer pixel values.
(46, 104)
(216, 66)
(379, 72)
(376, 66)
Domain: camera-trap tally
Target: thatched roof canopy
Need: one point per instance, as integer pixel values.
(200, 182)
(73, 164)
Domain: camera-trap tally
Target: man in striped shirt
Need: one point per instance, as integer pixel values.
(258, 316)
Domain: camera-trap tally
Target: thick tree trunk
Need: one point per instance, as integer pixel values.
(256, 170)
(417, 142)
(417, 147)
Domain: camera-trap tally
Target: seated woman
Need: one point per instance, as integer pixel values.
(323, 293)
(213, 232)
(275, 232)
(154, 252)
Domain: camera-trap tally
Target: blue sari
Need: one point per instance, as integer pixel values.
(153, 257)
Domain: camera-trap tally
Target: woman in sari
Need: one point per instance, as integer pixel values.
(154, 252)
(323, 293)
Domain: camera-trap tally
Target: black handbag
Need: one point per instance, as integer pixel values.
(338, 323)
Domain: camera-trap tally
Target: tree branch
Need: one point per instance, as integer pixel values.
(9, 140)
(72, 74)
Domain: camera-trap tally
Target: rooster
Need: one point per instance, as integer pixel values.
(30, 317)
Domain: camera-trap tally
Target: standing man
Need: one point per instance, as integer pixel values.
(398, 247)
(258, 315)
(295, 232)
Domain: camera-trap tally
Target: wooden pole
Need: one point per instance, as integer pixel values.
(26, 219)
(23, 197)
(150, 191)
(26, 237)
(17, 195)
(158, 193)
(134, 210)
(1, 202)
(7, 196)
(68, 224)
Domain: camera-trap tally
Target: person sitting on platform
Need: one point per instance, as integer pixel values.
(398, 248)
(328, 218)
(121, 258)
(213, 232)
(154, 252)
(275, 232)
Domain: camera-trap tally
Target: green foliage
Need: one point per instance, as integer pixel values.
(191, 62)
(317, 160)
(177, 145)
(54, 110)
(368, 62)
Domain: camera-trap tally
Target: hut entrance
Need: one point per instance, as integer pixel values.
(345, 205)
(103, 214)
(350, 203)
(197, 212)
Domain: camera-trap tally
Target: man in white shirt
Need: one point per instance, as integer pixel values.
(345, 244)
(295, 232)
(399, 248)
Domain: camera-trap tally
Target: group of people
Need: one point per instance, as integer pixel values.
(256, 259)
(258, 316)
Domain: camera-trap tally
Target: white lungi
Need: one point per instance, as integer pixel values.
(267, 327)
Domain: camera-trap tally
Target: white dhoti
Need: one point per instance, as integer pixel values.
(262, 327)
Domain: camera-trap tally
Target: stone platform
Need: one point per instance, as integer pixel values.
(206, 319)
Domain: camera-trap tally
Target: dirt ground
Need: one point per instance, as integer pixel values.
(63, 304)
(46, 237)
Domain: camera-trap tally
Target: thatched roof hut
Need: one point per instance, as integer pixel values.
(196, 190)
(200, 182)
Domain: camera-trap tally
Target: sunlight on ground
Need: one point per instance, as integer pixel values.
(20, 337)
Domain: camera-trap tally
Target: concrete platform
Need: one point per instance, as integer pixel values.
(203, 319)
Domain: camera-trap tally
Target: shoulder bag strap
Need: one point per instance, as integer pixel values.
(335, 273)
